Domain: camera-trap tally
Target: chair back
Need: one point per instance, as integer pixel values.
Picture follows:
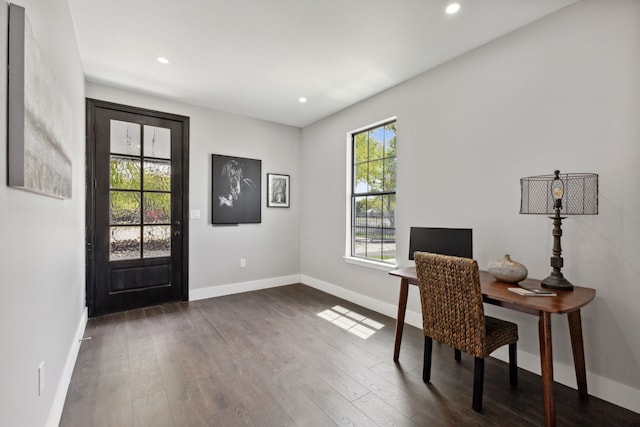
(451, 298)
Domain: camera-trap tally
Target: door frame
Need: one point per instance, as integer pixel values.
(90, 233)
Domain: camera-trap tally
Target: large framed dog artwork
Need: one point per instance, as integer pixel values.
(236, 190)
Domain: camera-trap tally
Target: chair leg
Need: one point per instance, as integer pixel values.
(457, 354)
(513, 364)
(478, 381)
(426, 366)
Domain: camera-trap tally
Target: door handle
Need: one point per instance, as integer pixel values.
(176, 233)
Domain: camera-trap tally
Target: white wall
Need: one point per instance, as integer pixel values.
(562, 93)
(42, 303)
(271, 249)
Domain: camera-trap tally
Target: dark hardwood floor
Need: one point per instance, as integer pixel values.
(267, 358)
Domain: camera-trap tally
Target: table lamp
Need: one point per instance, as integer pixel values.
(559, 194)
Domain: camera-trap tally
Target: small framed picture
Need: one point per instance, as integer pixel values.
(277, 190)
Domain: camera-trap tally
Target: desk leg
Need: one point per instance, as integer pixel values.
(575, 329)
(402, 307)
(546, 365)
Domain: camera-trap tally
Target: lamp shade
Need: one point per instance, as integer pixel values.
(577, 192)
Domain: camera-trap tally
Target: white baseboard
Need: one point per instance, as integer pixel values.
(55, 414)
(603, 388)
(237, 288)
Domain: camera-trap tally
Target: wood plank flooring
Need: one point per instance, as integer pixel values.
(267, 358)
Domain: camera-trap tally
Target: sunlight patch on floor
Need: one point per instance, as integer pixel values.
(351, 321)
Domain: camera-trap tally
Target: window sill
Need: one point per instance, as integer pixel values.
(369, 263)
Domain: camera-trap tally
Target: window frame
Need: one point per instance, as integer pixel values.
(349, 257)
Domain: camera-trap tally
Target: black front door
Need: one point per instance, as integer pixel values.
(137, 191)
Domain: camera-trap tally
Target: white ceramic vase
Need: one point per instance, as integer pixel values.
(508, 270)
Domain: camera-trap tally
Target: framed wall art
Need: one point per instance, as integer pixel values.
(277, 190)
(39, 118)
(236, 195)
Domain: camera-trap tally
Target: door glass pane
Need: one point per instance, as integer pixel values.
(124, 207)
(157, 175)
(157, 241)
(157, 142)
(125, 137)
(125, 243)
(125, 173)
(157, 208)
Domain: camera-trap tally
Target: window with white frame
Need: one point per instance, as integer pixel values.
(373, 193)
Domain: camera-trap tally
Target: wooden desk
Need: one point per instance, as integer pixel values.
(496, 293)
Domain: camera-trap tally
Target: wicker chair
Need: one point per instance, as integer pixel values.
(452, 313)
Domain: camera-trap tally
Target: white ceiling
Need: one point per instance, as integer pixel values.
(257, 57)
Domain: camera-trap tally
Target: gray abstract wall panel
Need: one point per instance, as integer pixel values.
(39, 117)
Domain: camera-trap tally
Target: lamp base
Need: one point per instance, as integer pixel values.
(557, 281)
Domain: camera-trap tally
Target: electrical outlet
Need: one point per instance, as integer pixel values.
(243, 263)
(40, 378)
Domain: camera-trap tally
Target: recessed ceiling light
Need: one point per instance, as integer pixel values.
(453, 8)
(302, 100)
(162, 60)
